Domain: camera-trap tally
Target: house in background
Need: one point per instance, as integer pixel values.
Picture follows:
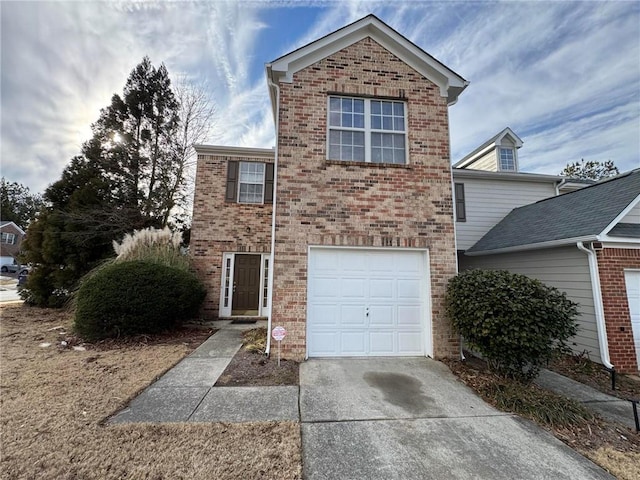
(344, 233)
(11, 238)
(587, 244)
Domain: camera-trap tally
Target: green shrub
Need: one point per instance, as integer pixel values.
(126, 298)
(514, 321)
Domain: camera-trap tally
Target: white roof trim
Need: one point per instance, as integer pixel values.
(225, 151)
(535, 246)
(511, 133)
(512, 176)
(451, 84)
(14, 224)
(620, 216)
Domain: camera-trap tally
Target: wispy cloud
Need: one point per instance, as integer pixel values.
(564, 75)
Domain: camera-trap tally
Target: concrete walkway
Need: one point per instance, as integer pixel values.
(410, 418)
(607, 406)
(186, 393)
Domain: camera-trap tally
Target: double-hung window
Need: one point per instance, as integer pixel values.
(251, 182)
(367, 130)
(8, 238)
(507, 160)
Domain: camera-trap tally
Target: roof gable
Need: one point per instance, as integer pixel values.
(583, 214)
(6, 224)
(490, 144)
(282, 69)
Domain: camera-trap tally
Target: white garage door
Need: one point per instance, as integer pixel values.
(632, 279)
(366, 302)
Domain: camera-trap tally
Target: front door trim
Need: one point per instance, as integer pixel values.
(226, 284)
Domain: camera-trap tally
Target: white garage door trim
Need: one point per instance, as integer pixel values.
(632, 281)
(364, 301)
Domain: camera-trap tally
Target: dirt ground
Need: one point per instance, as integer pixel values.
(54, 398)
(612, 446)
(250, 367)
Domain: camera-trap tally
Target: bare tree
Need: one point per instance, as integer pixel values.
(196, 114)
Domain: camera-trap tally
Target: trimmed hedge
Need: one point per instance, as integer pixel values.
(514, 321)
(127, 298)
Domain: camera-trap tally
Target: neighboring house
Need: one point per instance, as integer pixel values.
(486, 191)
(11, 238)
(344, 233)
(586, 243)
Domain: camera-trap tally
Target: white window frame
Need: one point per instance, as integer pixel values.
(367, 130)
(240, 182)
(226, 284)
(515, 159)
(8, 238)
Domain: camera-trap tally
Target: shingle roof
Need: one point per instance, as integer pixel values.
(582, 213)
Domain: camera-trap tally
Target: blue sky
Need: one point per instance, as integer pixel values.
(565, 76)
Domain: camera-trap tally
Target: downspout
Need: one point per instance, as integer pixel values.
(559, 184)
(599, 309)
(273, 217)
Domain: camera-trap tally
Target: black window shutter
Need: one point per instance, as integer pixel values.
(231, 193)
(461, 213)
(268, 183)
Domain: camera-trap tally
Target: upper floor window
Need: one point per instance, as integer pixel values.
(507, 159)
(461, 210)
(249, 182)
(9, 238)
(367, 130)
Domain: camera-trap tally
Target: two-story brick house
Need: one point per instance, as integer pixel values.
(344, 232)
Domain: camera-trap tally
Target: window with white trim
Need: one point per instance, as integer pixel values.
(8, 238)
(507, 159)
(251, 182)
(367, 130)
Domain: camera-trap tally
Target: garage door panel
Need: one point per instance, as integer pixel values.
(381, 288)
(367, 302)
(353, 343)
(410, 343)
(326, 287)
(409, 315)
(381, 315)
(352, 315)
(352, 288)
(632, 281)
(409, 288)
(381, 343)
(324, 315)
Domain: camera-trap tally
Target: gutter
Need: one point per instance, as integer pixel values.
(599, 308)
(267, 350)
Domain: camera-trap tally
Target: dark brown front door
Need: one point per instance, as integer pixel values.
(246, 285)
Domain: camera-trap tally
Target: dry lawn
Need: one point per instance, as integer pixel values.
(54, 399)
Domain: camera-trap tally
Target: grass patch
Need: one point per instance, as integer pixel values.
(53, 400)
(535, 403)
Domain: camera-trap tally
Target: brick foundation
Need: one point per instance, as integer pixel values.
(611, 265)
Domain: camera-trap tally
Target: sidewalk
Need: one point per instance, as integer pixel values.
(9, 290)
(186, 393)
(607, 406)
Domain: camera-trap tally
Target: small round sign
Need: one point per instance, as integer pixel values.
(278, 333)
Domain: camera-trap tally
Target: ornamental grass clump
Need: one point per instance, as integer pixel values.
(152, 245)
(513, 321)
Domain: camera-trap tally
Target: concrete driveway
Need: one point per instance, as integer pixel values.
(409, 418)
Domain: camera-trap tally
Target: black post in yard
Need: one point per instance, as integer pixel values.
(613, 379)
(635, 414)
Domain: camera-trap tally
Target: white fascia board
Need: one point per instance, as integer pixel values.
(620, 216)
(15, 225)
(225, 151)
(534, 246)
(451, 84)
(620, 242)
(470, 160)
(511, 176)
(511, 133)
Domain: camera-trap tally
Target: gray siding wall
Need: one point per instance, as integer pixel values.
(633, 216)
(488, 201)
(565, 268)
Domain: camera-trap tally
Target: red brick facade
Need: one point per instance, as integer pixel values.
(219, 226)
(322, 202)
(611, 265)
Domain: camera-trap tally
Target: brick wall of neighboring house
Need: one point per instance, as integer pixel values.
(10, 250)
(219, 226)
(342, 203)
(611, 265)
